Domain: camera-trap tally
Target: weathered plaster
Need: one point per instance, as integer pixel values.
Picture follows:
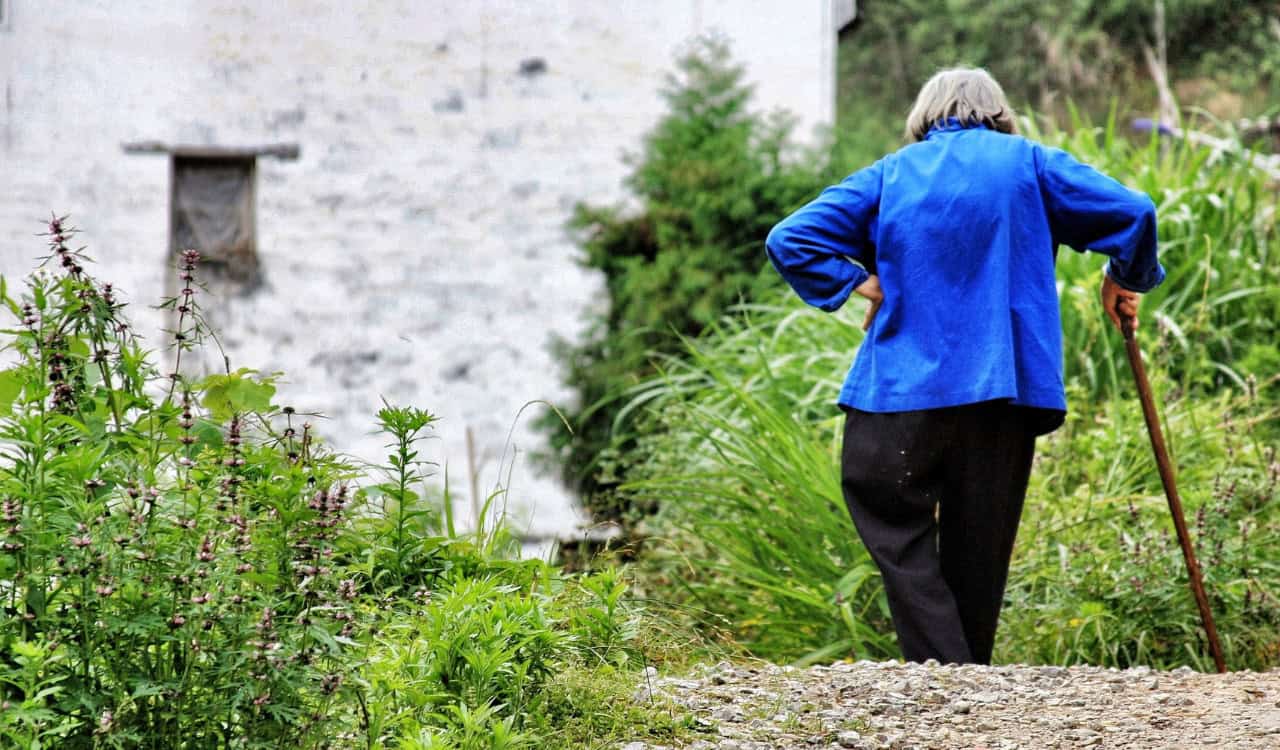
(415, 251)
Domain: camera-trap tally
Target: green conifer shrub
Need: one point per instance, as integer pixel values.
(709, 181)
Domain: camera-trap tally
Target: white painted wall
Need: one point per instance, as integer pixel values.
(416, 249)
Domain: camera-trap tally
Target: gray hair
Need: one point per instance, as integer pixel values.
(969, 95)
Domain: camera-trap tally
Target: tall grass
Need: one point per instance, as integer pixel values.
(1218, 232)
(1098, 576)
(766, 536)
(740, 451)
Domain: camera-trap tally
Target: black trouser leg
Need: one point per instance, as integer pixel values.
(892, 479)
(987, 474)
(936, 496)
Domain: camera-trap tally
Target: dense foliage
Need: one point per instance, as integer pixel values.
(710, 180)
(1045, 54)
(741, 450)
(184, 564)
(713, 176)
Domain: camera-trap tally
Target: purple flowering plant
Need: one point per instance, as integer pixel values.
(183, 563)
(167, 539)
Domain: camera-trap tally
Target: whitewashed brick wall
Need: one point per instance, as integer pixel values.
(416, 250)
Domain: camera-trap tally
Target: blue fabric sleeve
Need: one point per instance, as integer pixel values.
(813, 247)
(1091, 211)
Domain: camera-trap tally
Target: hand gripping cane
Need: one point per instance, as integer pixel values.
(1170, 490)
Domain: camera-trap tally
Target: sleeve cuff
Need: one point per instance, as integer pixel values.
(1151, 282)
(860, 275)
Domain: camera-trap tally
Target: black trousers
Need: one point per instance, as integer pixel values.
(936, 496)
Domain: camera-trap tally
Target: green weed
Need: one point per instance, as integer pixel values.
(183, 564)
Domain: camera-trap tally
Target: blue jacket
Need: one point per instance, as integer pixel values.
(963, 229)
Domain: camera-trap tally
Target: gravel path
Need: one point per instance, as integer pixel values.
(891, 706)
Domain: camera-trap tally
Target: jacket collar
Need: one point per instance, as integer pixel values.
(951, 125)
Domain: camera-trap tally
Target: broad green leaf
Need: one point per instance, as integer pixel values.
(237, 393)
(10, 389)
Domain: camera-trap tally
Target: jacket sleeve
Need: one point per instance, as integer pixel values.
(815, 248)
(1091, 211)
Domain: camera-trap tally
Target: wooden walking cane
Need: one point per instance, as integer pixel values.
(1170, 490)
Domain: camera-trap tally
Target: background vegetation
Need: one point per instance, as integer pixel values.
(184, 564)
(1223, 57)
(714, 174)
(718, 442)
(741, 451)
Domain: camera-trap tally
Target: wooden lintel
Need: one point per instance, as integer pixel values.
(284, 151)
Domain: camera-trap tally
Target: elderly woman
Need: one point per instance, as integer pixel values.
(953, 238)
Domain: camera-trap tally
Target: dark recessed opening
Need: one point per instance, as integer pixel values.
(212, 211)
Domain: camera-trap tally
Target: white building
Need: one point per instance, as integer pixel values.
(414, 250)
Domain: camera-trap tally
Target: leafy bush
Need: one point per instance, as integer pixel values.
(478, 660)
(710, 180)
(741, 449)
(170, 573)
(183, 564)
